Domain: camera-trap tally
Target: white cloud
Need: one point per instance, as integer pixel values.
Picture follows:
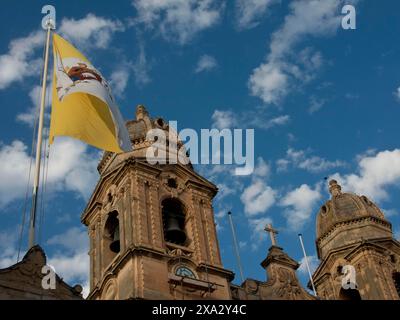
(262, 169)
(300, 159)
(8, 253)
(223, 119)
(71, 168)
(299, 205)
(242, 244)
(18, 62)
(354, 96)
(375, 174)
(257, 198)
(71, 260)
(390, 212)
(221, 217)
(74, 269)
(268, 82)
(250, 12)
(28, 117)
(397, 94)
(317, 164)
(141, 68)
(13, 172)
(221, 214)
(249, 119)
(313, 263)
(272, 79)
(119, 80)
(206, 63)
(277, 121)
(259, 224)
(224, 177)
(178, 20)
(63, 218)
(218, 226)
(280, 120)
(74, 239)
(258, 235)
(22, 61)
(306, 18)
(282, 164)
(213, 171)
(396, 235)
(315, 104)
(224, 190)
(90, 31)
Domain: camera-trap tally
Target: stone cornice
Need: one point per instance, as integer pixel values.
(351, 251)
(353, 221)
(120, 261)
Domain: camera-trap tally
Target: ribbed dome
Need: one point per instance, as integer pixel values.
(343, 207)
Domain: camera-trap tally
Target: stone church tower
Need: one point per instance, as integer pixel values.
(153, 236)
(353, 237)
(151, 227)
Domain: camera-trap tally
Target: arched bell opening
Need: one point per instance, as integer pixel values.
(111, 237)
(173, 214)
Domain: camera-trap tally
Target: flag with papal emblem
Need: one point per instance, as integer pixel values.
(83, 106)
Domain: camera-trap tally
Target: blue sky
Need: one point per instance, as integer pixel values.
(323, 101)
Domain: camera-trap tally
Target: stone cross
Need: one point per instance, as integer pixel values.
(272, 232)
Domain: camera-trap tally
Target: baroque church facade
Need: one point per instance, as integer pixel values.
(153, 236)
(161, 218)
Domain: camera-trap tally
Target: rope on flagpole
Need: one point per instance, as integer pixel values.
(46, 156)
(41, 194)
(43, 190)
(32, 222)
(33, 145)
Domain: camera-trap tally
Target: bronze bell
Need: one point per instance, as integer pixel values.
(174, 231)
(114, 246)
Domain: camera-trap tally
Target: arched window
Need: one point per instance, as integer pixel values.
(349, 294)
(174, 221)
(396, 279)
(111, 232)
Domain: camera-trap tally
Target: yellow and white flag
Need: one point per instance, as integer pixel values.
(83, 106)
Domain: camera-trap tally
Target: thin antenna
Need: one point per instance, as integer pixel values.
(236, 246)
(307, 265)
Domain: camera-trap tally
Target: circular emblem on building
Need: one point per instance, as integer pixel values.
(184, 271)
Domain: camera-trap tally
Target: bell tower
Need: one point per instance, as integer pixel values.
(151, 227)
(360, 259)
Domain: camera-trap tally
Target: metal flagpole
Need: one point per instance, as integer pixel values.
(307, 265)
(236, 246)
(32, 222)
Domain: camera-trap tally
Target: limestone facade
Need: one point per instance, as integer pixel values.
(352, 231)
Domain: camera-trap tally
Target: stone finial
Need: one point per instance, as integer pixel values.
(334, 188)
(141, 112)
